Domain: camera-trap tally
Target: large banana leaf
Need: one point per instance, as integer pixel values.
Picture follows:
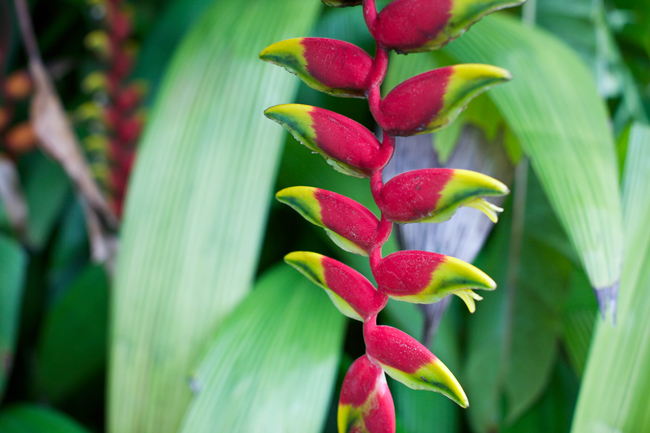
(614, 391)
(554, 110)
(274, 363)
(196, 208)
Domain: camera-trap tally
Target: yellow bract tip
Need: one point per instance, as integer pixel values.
(478, 71)
(288, 47)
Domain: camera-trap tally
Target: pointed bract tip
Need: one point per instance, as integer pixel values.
(476, 71)
(281, 48)
(278, 111)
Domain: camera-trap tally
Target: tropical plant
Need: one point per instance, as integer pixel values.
(200, 327)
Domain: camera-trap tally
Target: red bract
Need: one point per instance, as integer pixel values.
(409, 26)
(429, 102)
(406, 360)
(350, 291)
(366, 404)
(328, 65)
(350, 225)
(434, 194)
(425, 103)
(348, 146)
(423, 277)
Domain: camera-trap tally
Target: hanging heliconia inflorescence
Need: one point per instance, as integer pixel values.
(116, 107)
(422, 104)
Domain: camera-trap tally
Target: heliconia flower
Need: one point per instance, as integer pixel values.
(349, 224)
(410, 26)
(328, 65)
(429, 102)
(406, 360)
(350, 291)
(342, 3)
(434, 194)
(365, 404)
(422, 277)
(345, 144)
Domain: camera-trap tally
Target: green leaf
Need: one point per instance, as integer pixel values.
(273, 364)
(197, 205)
(552, 413)
(553, 108)
(578, 319)
(614, 390)
(178, 17)
(13, 262)
(513, 336)
(36, 419)
(46, 188)
(72, 346)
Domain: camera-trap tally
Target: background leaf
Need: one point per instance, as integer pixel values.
(35, 419)
(513, 336)
(613, 394)
(561, 123)
(274, 362)
(73, 338)
(13, 263)
(196, 208)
